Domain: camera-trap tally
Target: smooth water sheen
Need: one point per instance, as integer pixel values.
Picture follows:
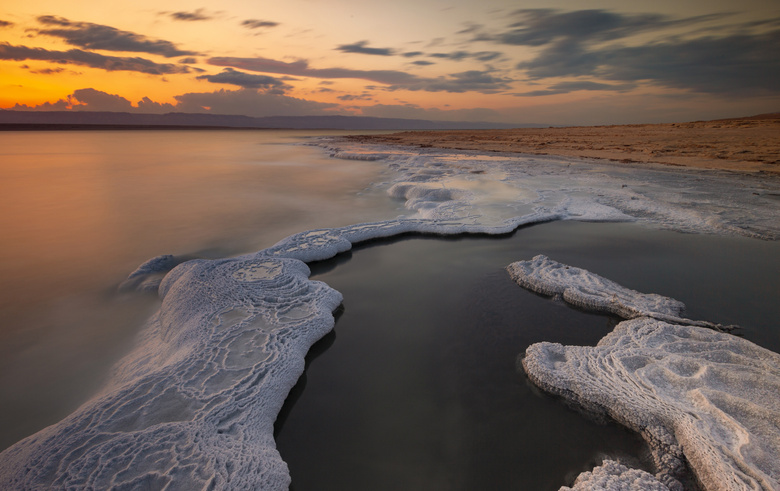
(82, 209)
(417, 387)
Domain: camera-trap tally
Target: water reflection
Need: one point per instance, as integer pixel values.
(419, 390)
(83, 209)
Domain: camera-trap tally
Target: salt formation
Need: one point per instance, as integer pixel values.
(590, 291)
(613, 476)
(694, 394)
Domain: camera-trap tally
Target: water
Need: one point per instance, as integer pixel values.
(82, 209)
(417, 387)
(421, 391)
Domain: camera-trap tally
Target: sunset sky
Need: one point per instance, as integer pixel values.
(533, 61)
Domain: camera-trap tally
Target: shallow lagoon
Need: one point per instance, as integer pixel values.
(417, 386)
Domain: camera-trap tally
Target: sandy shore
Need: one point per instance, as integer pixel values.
(746, 145)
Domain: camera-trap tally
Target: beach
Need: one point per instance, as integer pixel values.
(744, 144)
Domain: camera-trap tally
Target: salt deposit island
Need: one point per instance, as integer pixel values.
(193, 406)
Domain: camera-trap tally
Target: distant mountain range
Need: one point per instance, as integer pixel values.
(10, 120)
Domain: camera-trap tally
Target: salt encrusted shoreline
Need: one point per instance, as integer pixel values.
(696, 395)
(194, 404)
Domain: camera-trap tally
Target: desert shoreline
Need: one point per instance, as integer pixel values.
(749, 145)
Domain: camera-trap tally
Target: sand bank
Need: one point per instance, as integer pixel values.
(746, 145)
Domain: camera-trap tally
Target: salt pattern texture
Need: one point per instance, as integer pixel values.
(696, 395)
(193, 405)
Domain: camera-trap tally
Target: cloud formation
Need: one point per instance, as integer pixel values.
(361, 47)
(480, 81)
(301, 68)
(464, 55)
(96, 36)
(244, 80)
(194, 16)
(5, 23)
(85, 58)
(258, 24)
(596, 44)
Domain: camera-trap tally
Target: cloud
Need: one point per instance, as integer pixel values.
(423, 63)
(187, 60)
(95, 36)
(463, 55)
(5, 23)
(95, 100)
(356, 97)
(249, 102)
(48, 71)
(468, 81)
(473, 80)
(301, 68)
(244, 80)
(196, 15)
(258, 24)
(539, 27)
(734, 64)
(361, 48)
(740, 58)
(566, 87)
(412, 54)
(85, 58)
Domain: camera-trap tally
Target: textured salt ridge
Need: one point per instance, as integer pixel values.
(193, 405)
(694, 394)
(613, 476)
(682, 199)
(590, 291)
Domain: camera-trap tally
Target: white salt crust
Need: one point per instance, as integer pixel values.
(613, 476)
(193, 406)
(696, 395)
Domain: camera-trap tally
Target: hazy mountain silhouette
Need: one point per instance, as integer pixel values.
(92, 119)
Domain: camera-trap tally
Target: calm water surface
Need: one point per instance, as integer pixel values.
(417, 388)
(82, 209)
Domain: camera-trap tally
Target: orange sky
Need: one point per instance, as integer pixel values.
(496, 60)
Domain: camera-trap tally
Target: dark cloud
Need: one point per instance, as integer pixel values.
(356, 97)
(473, 80)
(95, 36)
(85, 58)
(258, 24)
(244, 80)
(468, 81)
(412, 54)
(301, 68)
(95, 100)
(361, 48)
(197, 15)
(250, 103)
(737, 64)
(48, 71)
(188, 60)
(539, 27)
(5, 23)
(423, 63)
(566, 87)
(463, 55)
(590, 43)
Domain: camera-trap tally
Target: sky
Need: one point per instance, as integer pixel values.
(546, 62)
